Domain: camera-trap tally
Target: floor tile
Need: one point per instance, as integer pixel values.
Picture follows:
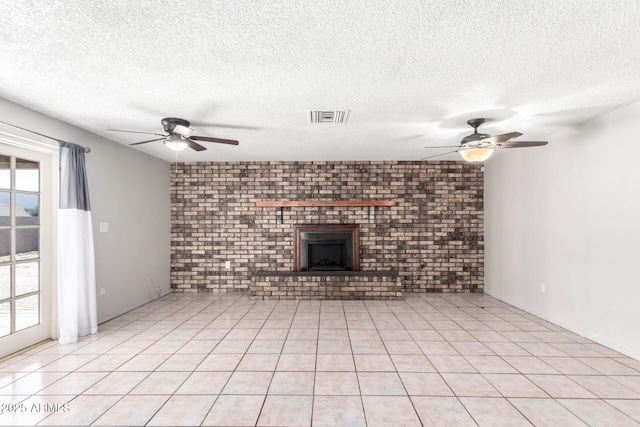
(452, 364)
(494, 412)
(117, 383)
(286, 411)
(248, 383)
(292, 383)
(182, 362)
(258, 362)
(183, 411)
(425, 384)
(380, 384)
(605, 387)
(74, 383)
(373, 362)
(335, 362)
(297, 362)
(607, 366)
(198, 346)
(336, 384)
(385, 411)
(596, 412)
(560, 386)
(569, 366)
(529, 365)
(225, 411)
(402, 348)
(437, 348)
(232, 346)
(473, 385)
(334, 347)
(160, 383)
(32, 383)
(514, 385)
(442, 411)
(546, 412)
(631, 408)
(300, 346)
(204, 383)
(144, 362)
(490, 365)
(132, 411)
(220, 362)
(412, 363)
(338, 411)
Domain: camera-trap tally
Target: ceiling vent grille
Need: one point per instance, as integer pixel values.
(337, 116)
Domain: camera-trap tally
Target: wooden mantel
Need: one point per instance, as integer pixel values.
(343, 203)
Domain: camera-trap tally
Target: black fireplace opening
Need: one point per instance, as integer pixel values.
(326, 251)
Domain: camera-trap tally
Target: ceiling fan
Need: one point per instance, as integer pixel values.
(178, 135)
(478, 147)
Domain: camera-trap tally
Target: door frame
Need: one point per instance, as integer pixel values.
(47, 155)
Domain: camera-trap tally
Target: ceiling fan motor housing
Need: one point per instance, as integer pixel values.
(169, 123)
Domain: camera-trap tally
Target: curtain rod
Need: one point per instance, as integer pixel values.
(86, 149)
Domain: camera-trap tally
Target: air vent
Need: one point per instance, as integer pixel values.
(337, 116)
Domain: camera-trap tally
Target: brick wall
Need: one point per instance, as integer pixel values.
(433, 237)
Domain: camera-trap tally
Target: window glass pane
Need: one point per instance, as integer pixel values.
(27, 243)
(27, 209)
(27, 175)
(27, 312)
(5, 281)
(5, 172)
(27, 277)
(5, 208)
(5, 319)
(5, 245)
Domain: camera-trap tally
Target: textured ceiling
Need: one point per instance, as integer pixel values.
(410, 72)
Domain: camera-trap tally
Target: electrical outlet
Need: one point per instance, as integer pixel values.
(543, 288)
(103, 292)
(227, 265)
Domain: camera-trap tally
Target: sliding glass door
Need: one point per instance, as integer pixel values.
(26, 247)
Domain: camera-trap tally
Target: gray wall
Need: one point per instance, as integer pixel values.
(130, 191)
(566, 215)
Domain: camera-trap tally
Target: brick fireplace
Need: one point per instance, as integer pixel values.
(432, 238)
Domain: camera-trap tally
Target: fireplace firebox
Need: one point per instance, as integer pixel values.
(326, 247)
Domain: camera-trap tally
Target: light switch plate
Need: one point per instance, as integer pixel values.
(104, 227)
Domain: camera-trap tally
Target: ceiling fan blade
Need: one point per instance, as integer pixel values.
(521, 144)
(501, 138)
(445, 146)
(134, 131)
(150, 140)
(438, 155)
(194, 145)
(218, 140)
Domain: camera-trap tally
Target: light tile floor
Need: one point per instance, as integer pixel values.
(225, 360)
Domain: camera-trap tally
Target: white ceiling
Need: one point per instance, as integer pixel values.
(410, 72)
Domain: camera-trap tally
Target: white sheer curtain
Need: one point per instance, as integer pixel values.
(77, 314)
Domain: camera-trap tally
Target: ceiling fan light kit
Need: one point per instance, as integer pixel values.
(475, 155)
(176, 142)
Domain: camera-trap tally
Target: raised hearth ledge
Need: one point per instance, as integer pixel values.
(330, 203)
(326, 285)
(326, 273)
